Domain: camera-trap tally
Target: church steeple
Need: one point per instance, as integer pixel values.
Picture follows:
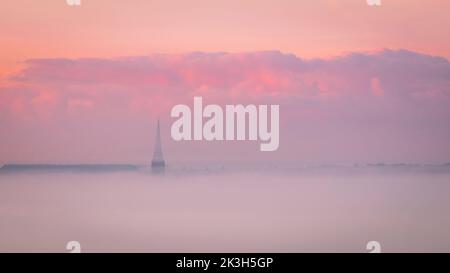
(158, 159)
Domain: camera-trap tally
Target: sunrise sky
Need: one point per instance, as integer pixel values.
(355, 83)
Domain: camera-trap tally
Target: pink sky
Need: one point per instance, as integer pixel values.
(320, 28)
(355, 83)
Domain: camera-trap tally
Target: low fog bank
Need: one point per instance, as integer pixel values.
(215, 210)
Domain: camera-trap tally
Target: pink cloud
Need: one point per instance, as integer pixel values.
(375, 85)
(318, 98)
(77, 104)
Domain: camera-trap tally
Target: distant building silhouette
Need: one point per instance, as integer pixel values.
(158, 159)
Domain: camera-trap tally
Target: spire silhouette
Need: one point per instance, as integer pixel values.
(158, 159)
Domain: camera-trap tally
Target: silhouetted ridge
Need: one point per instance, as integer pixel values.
(69, 167)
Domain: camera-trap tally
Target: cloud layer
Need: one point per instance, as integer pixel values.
(381, 106)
